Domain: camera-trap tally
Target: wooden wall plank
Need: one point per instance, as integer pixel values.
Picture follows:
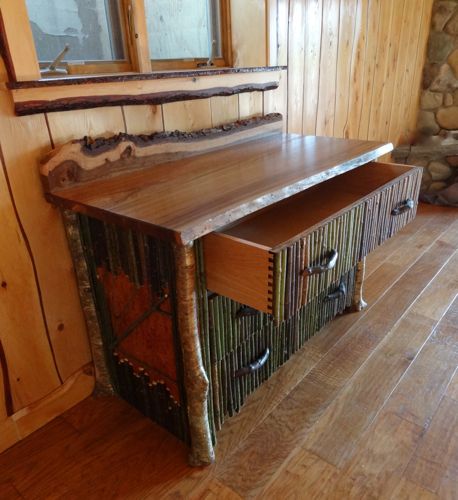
(32, 375)
(3, 72)
(347, 35)
(296, 51)
(272, 32)
(275, 101)
(248, 26)
(419, 63)
(46, 235)
(282, 32)
(141, 59)
(314, 16)
(357, 67)
(251, 104)
(390, 76)
(69, 125)
(383, 51)
(373, 23)
(328, 69)
(20, 40)
(358, 61)
(224, 109)
(187, 116)
(408, 92)
(3, 403)
(405, 55)
(143, 119)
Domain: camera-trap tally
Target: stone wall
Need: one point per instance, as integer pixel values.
(439, 98)
(437, 122)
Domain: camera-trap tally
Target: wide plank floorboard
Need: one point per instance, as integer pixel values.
(420, 391)
(343, 424)
(367, 410)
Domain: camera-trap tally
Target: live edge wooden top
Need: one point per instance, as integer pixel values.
(183, 200)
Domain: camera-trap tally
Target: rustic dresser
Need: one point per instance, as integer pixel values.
(206, 260)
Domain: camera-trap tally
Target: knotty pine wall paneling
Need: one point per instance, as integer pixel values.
(23, 143)
(251, 104)
(276, 101)
(144, 119)
(354, 66)
(374, 13)
(249, 30)
(98, 122)
(312, 56)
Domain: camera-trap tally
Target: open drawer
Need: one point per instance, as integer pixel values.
(279, 258)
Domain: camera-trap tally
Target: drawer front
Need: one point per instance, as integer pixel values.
(232, 324)
(272, 279)
(381, 222)
(229, 386)
(292, 290)
(239, 270)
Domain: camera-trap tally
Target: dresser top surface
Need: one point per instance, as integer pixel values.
(183, 200)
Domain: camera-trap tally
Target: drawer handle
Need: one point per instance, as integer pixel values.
(246, 311)
(336, 295)
(246, 370)
(310, 271)
(408, 205)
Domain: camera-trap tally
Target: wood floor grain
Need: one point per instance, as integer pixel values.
(367, 410)
(434, 466)
(420, 391)
(343, 424)
(9, 492)
(304, 475)
(411, 491)
(377, 464)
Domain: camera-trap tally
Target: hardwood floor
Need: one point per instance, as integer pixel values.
(368, 409)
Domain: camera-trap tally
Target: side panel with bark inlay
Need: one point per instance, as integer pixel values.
(133, 287)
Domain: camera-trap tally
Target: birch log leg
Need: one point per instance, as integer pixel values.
(195, 378)
(358, 302)
(103, 383)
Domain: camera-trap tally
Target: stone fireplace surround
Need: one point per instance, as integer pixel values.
(436, 146)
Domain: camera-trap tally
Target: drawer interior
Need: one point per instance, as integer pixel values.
(275, 225)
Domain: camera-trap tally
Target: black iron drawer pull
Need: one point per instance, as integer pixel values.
(310, 271)
(408, 205)
(336, 295)
(246, 370)
(246, 311)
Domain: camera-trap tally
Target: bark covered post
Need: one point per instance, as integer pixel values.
(195, 378)
(103, 382)
(358, 302)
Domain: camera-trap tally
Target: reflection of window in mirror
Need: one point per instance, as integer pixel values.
(180, 33)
